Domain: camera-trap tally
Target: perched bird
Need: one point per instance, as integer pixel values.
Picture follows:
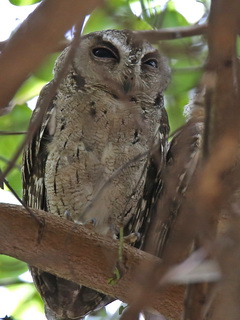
(100, 147)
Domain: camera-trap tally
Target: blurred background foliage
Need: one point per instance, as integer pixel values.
(186, 58)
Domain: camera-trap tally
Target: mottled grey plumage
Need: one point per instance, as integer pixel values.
(93, 153)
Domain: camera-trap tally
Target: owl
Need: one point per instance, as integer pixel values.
(99, 151)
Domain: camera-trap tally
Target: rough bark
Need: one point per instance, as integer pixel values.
(79, 254)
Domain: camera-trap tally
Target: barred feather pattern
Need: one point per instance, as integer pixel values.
(85, 107)
(183, 158)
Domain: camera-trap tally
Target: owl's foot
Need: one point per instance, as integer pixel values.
(67, 215)
(131, 238)
(89, 224)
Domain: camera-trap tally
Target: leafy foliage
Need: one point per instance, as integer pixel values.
(23, 2)
(186, 57)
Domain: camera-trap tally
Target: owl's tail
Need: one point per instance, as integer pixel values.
(53, 316)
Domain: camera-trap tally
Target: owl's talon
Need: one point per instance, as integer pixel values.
(132, 238)
(67, 215)
(90, 224)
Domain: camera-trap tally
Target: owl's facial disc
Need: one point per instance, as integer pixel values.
(120, 63)
(138, 69)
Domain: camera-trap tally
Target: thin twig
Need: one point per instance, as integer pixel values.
(173, 33)
(112, 177)
(18, 198)
(12, 133)
(7, 161)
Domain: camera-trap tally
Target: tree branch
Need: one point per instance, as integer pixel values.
(220, 176)
(37, 36)
(48, 24)
(173, 33)
(76, 253)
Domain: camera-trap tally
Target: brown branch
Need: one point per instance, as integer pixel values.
(150, 35)
(12, 133)
(79, 254)
(46, 100)
(37, 36)
(221, 133)
(3, 44)
(22, 54)
(173, 33)
(163, 238)
(59, 47)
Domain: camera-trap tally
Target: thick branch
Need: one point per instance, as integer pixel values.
(221, 143)
(38, 36)
(76, 253)
(223, 68)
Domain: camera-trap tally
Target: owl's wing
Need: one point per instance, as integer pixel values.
(35, 157)
(183, 157)
(63, 299)
(156, 166)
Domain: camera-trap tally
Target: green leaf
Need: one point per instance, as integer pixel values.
(173, 18)
(29, 301)
(33, 85)
(15, 181)
(184, 80)
(118, 17)
(98, 20)
(11, 267)
(121, 309)
(116, 3)
(186, 73)
(23, 2)
(151, 12)
(45, 71)
(238, 46)
(175, 106)
(31, 88)
(17, 120)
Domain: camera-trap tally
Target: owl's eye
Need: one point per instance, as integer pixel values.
(103, 53)
(151, 62)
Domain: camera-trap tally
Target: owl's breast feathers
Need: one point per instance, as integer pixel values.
(87, 149)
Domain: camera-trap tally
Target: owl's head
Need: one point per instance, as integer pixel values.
(122, 62)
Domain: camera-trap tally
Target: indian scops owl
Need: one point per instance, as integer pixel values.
(103, 124)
